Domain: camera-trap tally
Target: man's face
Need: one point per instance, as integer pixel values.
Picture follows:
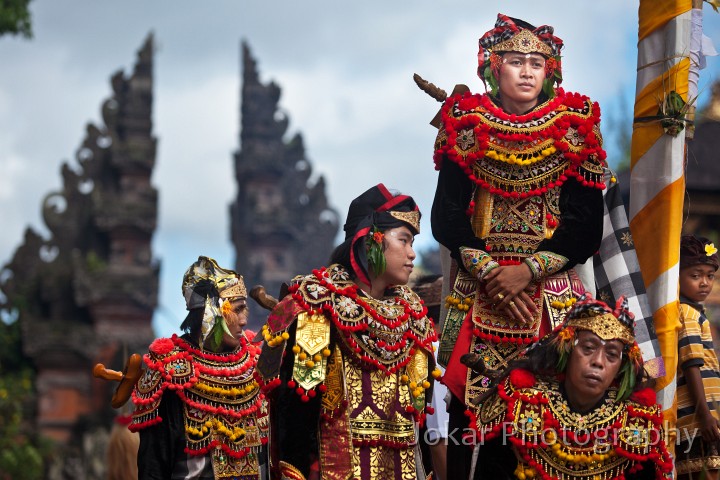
(696, 282)
(399, 255)
(592, 367)
(521, 77)
(236, 318)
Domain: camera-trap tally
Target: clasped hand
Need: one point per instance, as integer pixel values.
(507, 286)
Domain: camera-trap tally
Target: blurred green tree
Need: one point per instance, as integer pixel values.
(22, 451)
(15, 18)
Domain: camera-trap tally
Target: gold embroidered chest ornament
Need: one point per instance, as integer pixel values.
(621, 435)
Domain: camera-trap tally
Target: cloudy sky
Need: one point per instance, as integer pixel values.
(345, 69)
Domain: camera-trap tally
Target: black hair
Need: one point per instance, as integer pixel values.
(522, 23)
(341, 254)
(193, 321)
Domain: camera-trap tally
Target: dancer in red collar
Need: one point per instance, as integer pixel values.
(574, 408)
(198, 407)
(348, 354)
(518, 204)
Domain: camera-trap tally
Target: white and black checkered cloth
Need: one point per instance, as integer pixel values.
(617, 272)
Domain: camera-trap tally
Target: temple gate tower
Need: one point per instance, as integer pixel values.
(87, 293)
(281, 223)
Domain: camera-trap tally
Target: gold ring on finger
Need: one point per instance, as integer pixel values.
(500, 296)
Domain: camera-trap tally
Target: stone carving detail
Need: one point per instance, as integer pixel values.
(91, 286)
(281, 223)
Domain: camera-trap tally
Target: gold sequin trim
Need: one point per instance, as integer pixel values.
(413, 218)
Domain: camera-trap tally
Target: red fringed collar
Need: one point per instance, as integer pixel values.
(552, 441)
(382, 334)
(523, 155)
(224, 407)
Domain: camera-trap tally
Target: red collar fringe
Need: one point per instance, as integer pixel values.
(552, 120)
(523, 394)
(403, 349)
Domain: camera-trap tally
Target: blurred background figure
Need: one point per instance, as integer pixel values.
(122, 450)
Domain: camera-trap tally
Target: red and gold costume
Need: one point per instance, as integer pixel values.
(619, 439)
(200, 411)
(514, 189)
(223, 410)
(532, 194)
(350, 376)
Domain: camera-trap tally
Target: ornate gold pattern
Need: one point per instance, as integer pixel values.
(522, 155)
(543, 264)
(561, 443)
(366, 426)
(313, 332)
(605, 326)
(309, 377)
(376, 408)
(521, 178)
(477, 262)
(484, 206)
(413, 218)
(236, 290)
(524, 41)
(382, 464)
(517, 226)
(382, 340)
(335, 392)
(203, 383)
(496, 356)
(367, 407)
(289, 472)
(461, 296)
(561, 288)
(379, 420)
(684, 467)
(312, 336)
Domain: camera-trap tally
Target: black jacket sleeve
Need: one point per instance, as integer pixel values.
(449, 220)
(296, 421)
(161, 443)
(579, 233)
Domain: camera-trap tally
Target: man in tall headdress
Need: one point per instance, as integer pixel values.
(348, 354)
(518, 204)
(198, 407)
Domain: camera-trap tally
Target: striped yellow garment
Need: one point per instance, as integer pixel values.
(695, 346)
(657, 182)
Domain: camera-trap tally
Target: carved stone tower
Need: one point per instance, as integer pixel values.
(281, 225)
(89, 291)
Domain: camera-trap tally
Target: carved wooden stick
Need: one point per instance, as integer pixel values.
(128, 378)
(101, 372)
(265, 300)
(434, 91)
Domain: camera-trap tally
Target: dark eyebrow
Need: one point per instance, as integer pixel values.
(405, 234)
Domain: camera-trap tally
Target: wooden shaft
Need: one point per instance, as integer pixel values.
(101, 372)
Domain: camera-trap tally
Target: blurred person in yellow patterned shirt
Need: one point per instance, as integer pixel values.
(698, 378)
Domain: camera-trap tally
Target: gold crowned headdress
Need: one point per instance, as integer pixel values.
(514, 35)
(227, 283)
(609, 324)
